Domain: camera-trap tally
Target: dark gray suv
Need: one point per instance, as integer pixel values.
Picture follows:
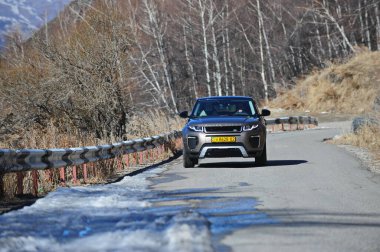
(224, 126)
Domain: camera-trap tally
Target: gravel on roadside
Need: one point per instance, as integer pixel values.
(365, 156)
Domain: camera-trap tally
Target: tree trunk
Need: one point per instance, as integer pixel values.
(270, 60)
(242, 73)
(377, 14)
(362, 30)
(366, 18)
(340, 28)
(217, 73)
(190, 64)
(226, 84)
(202, 9)
(262, 73)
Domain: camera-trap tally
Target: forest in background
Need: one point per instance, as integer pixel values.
(102, 62)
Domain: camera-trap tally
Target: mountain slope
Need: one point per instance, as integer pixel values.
(27, 15)
(349, 88)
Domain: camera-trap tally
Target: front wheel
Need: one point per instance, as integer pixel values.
(188, 162)
(262, 159)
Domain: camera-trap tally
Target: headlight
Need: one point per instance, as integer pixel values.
(250, 127)
(196, 128)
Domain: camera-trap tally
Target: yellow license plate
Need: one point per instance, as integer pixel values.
(223, 139)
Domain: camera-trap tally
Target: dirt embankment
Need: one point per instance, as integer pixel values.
(352, 87)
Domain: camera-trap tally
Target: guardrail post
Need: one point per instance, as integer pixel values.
(62, 175)
(118, 163)
(74, 174)
(141, 158)
(20, 183)
(1, 185)
(135, 156)
(93, 168)
(126, 160)
(84, 173)
(147, 157)
(152, 159)
(35, 182)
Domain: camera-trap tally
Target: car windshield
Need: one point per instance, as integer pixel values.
(223, 107)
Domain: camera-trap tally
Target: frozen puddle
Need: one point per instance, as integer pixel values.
(126, 216)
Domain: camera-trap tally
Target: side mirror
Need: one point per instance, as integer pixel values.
(265, 112)
(184, 114)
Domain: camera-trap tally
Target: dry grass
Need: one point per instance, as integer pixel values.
(140, 125)
(367, 137)
(349, 88)
(151, 123)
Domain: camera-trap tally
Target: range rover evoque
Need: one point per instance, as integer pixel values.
(224, 126)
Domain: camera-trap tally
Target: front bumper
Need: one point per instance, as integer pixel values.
(248, 143)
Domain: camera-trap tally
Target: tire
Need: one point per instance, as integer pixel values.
(187, 161)
(262, 159)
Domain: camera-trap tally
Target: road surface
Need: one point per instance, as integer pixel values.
(315, 196)
(312, 196)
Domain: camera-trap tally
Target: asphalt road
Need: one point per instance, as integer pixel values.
(312, 196)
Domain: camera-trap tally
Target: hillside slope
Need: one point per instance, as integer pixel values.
(352, 87)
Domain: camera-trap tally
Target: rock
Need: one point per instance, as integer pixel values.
(376, 105)
(360, 122)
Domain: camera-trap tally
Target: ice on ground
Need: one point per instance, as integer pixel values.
(102, 218)
(127, 216)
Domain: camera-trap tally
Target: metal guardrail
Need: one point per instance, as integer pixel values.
(40, 159)
(293, 120)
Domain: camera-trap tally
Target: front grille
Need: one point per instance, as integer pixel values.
(232, 152)
(223, 129)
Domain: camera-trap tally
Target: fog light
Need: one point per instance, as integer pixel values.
(254, 141)
(192, 142)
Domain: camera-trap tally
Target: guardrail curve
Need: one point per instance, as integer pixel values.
(40, 159)
(293, 120)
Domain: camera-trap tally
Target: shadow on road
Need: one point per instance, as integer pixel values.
(308, 218)
(285, 162)
(251, 164)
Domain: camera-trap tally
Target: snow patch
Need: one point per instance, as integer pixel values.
(113, 217)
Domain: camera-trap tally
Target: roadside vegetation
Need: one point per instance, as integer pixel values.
(351, 86)
(367, 137)
(101, 63)
(106, 71)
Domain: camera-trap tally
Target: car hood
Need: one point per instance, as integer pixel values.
(223, 121)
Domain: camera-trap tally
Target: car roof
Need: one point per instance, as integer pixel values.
(225, 97)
